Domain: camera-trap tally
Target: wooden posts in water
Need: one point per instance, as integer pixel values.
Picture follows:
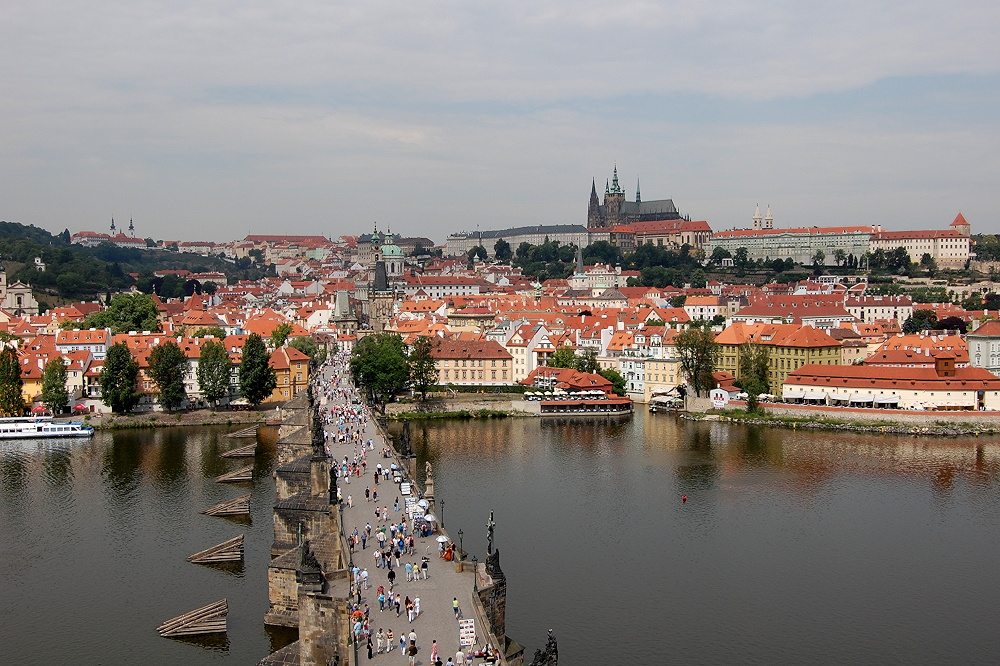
(241, 474)
(245, 432)
(227, 551)
(234, 507)
(210, 619)
(243, 452)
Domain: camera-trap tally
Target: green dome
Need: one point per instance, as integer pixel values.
(391, 251)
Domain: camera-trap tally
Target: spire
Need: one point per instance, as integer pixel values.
(131, 227)
(638, 197)
(593, 188)
(607, 189)
(615, 188)
(769, 219)
(756, 217)
(112, 225)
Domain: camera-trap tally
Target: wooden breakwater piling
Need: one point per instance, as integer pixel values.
(227, 551)
(210, 619)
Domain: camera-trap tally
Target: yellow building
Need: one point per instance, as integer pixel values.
(291, 369)
(662, 375)
(789, 346)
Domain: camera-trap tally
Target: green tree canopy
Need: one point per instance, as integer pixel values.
(127, 312)
(214, 372)
(379, 365)
(423, 373)
(309, 347)
(11, 402)
(697, 349)
(502, 251)
(281, 333)
(118, 378)
(209, 330)
(257, 378)
(753, 371)
(167, 367)
(54, 392)
(616, 379)
(564, 357)
(921, 320)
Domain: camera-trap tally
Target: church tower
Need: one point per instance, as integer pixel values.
(380, 299)
(757, 219)
(614, 202)
(769, 219)
(594, 220)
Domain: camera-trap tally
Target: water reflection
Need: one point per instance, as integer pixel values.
(805, 546)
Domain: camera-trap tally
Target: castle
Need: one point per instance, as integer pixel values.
(616, 210)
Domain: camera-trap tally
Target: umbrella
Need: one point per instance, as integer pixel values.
(430, 517)
(79, 405)
(38, 408)
(443, 538)
(423, 503)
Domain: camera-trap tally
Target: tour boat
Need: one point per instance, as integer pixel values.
(39, 427)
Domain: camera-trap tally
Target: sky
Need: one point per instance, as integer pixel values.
(213, 119)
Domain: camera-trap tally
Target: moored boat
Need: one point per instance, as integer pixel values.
(41, 427)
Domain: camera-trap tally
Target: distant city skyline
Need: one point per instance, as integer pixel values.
(211, 121)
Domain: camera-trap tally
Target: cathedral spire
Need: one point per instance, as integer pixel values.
(615, 188)
(638, 197)
(112, 225)
(607, 189)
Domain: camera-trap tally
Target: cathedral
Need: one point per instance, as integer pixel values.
(616, 210)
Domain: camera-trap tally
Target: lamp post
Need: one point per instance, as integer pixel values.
(461, 551)
(442, 513)
(475, 574)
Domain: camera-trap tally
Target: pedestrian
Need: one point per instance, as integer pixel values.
(416, 606)
(371, 649)
(368, 494)
(410, 611)
(389, 642)
(392, 577)
(456, 607)
(423, 568)
(412, 637)
(409, 572)
(380, 641)
(411, 654)
(402, 643)
(434, 652)
(459, 657)
(399, 604)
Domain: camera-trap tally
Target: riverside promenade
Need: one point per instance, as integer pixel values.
(436, 620)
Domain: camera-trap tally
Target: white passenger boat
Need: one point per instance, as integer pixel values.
(41, 427)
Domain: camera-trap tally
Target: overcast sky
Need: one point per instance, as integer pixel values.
(214, 119)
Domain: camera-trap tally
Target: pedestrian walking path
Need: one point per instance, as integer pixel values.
(371, 506)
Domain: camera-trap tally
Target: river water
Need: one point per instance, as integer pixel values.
(793, 547)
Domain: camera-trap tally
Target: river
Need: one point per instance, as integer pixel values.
(793, 547)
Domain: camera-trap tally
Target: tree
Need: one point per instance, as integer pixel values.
(819, 258)
(127, 312)
(214, 331)
(309, 347)
(616, 379)
(215, 371)
(753, 372)
(118, 377)
(586, 361)
(697, 349)
(54, 392)
(281, 333)
(379, 365)
(678, 301)
(167, 367)
(502, 251)
(839, 256)
(423, 373)
(257, 378)
(564, 357)
(952, 324)
(921, 320)
(11, 384)
(718, 254)
(210, 287)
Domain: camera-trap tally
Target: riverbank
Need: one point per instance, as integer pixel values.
(461, 405)
(939, 428)
(196, 417)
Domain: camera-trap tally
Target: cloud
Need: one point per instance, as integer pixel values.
(221, 116)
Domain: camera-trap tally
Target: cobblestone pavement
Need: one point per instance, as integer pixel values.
(436, 620)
